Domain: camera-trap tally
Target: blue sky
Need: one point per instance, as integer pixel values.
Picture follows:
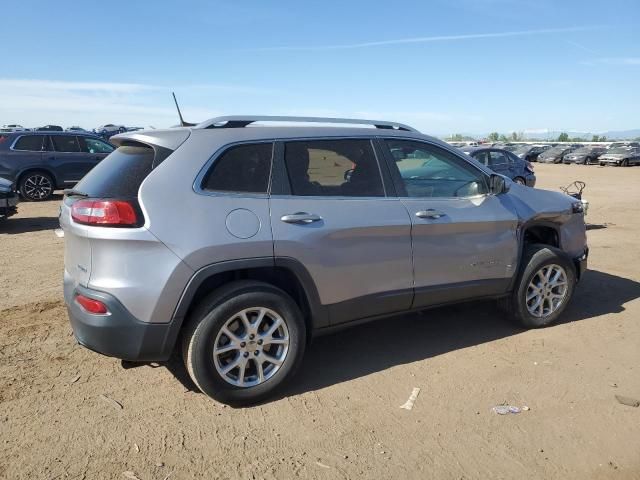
(443, 66)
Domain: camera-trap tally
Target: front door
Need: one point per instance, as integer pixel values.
(94, 150)
(69, 160)
(464, 239)
(333, 216)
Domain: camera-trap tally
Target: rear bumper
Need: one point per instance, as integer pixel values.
(118, 334)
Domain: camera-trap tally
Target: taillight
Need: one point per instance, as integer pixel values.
(91, 305)
(105, 213)
(529, 166)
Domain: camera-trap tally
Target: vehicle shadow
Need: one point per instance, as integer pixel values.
(596, 226)
(28, 224)
(377, 346)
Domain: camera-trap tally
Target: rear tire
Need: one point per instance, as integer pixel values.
(520, 181)
(36, 186)
(543, 289)
(587, 161)
(625, 163)
(228, 349)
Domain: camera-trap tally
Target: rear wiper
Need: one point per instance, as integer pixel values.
(75, 193)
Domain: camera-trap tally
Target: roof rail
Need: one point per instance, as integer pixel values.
(243, 121)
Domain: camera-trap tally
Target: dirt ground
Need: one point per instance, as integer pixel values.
(341, 419)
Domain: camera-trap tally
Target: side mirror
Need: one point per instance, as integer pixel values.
(497, 184)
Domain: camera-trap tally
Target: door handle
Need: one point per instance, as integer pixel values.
(430, 213)
(301, 217)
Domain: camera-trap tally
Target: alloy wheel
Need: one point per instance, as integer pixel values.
(547, 291)
(251, 347)
(37, 187)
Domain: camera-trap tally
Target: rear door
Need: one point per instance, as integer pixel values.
(499, 162)
(69, 160)
(330, 212)
(25, 152)
(464, 239)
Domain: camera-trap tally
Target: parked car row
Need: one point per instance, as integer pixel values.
(40, 162)
(105, 131)
(618, 153)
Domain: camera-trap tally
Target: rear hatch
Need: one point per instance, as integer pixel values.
(105, 206)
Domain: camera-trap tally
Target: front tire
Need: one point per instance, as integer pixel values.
(543, 289)
(625, 163)
(36, 186)
(243, 342)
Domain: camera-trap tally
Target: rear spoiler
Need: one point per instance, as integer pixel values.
(169, 138)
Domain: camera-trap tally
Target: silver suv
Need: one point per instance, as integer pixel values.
(239, 241)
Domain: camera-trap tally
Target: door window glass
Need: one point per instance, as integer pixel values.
(498, 160)
(93, 145)
(65, 143)
(341, 168)
(430, 171)
(481, 157)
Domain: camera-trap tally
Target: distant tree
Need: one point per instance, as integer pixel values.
(563, 137)
(494, 137)
(503, 138)
(595, 138)
(578, 139)
(604, 139)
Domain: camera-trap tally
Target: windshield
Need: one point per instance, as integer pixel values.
(620, 150)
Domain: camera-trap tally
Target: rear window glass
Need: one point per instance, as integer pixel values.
(244, 168)
(120, 174)
(31, 143)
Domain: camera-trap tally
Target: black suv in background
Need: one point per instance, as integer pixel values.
(41, 162)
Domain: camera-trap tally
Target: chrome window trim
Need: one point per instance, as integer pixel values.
(13, 144)
(197, 183)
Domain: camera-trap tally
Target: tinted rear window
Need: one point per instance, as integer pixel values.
(120, 174)
(31, 143)
(244, 168)
(65, 143)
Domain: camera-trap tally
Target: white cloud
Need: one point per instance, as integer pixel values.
(35, 102)
(49, 85)
(439, 38)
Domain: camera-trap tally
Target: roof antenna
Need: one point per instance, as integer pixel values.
(182, 122)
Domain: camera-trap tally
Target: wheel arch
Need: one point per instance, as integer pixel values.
(282, 272)
(538, 232)
(32, 169)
